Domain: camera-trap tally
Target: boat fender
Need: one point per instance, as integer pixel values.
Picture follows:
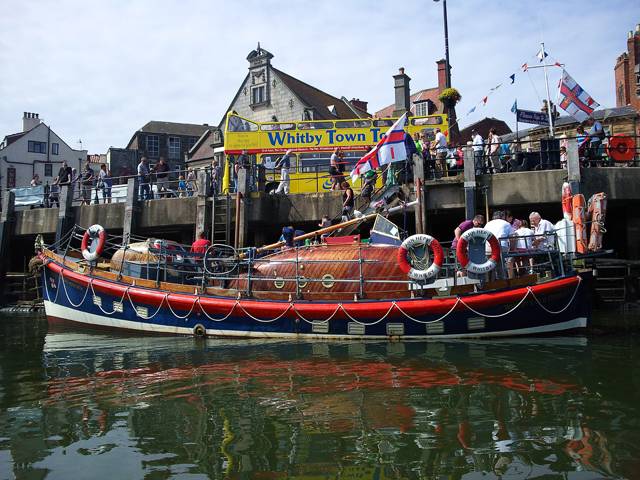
(93, 242)
(199, 331)
(462, 251)
(419, 240)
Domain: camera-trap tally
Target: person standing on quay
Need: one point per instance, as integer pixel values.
(478, 149)
(143, 179)
(284, 163)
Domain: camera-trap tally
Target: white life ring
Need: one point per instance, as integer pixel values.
(462, 251)
(93, 242)
(406, 267)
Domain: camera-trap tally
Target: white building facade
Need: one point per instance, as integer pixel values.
(37, 149)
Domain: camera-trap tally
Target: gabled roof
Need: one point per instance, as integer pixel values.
(320, 101)
(9, 139)
(419, 96)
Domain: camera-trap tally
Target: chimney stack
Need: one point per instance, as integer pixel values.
(30, 120)
(359, 104)
(403, 93)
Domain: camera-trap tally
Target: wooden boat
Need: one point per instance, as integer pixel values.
(353, 290)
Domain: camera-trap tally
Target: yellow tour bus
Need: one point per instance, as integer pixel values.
(312, 144)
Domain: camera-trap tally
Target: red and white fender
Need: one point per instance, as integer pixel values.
(95, 235)
(418, 240)
(462, 250)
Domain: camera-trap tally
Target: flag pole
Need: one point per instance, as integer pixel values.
(546, 82)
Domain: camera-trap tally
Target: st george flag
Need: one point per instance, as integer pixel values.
(574, 100)
(389, 149)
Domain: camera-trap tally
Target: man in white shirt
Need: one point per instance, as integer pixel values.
(501, 229)
(478, 151)
(544, 231)
(441, 152)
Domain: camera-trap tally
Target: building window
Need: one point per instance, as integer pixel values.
(11, 177)
(48, 169)
(55, 149)
(191, 142)
(421, 109)
(153, 145)
(258, 94)
(37, 147)
(174, 147)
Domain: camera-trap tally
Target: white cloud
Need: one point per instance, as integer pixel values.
(100, 70)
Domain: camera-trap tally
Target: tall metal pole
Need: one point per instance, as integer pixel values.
(546, 82)
(446, 44)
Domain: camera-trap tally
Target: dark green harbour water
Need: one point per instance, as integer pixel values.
(75, 404)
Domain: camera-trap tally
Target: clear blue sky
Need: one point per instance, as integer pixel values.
(100, 70)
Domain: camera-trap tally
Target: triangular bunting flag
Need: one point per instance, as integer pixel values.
(524, 67)
(513, 78)
(484, 100)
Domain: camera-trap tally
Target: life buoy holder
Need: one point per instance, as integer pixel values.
(93, 242)
(403, 260)
(462, 251)
(621, 148)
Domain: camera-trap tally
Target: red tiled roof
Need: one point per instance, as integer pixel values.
(426, 94)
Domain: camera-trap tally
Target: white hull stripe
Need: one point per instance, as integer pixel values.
(78, 316)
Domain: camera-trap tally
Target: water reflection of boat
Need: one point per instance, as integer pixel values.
(285, 410)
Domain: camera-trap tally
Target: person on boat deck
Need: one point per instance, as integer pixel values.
(501, 229)
(284, 164)
(544, 231)
(524, 237)
(201, 244)
(324, 223)
(370, 179)
(288, 233)
(348, 200)
(476, 222)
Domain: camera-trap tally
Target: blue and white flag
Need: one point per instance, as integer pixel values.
(514, 108)
(541, 54)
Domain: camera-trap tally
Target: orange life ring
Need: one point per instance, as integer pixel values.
(579, 221)
(621, 148)
(93, 242)
(414, 273)
(462, 251)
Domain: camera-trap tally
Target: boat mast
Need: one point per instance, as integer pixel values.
(546, 82)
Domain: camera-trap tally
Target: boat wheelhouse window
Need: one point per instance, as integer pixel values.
(426, 121)
(315, 125)
(353, 124)
(277, 126)
(382, 123)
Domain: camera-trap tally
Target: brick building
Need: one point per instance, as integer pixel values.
(166, 139)
(627, 73)
(483, 126)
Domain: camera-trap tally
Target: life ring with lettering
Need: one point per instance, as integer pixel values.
(406, 249)
(462, 250)
(93, 242)
(621, 148)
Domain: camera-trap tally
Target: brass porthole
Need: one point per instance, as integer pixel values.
(328, 281)
(302, 281)
(279, 282)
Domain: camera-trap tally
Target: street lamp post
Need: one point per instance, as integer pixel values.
(446, 43)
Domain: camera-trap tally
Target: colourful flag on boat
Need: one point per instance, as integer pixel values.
(574, 100)
(389, 149)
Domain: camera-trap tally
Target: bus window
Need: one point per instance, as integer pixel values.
(316, 161)
(316, 125)
(277, 126)
(382, 123)
(239, 124)
(269, 161)
(353, 124)
(427, 121)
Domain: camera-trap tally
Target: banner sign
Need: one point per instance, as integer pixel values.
(529, 116)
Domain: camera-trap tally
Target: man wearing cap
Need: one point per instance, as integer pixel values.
(284, 163)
